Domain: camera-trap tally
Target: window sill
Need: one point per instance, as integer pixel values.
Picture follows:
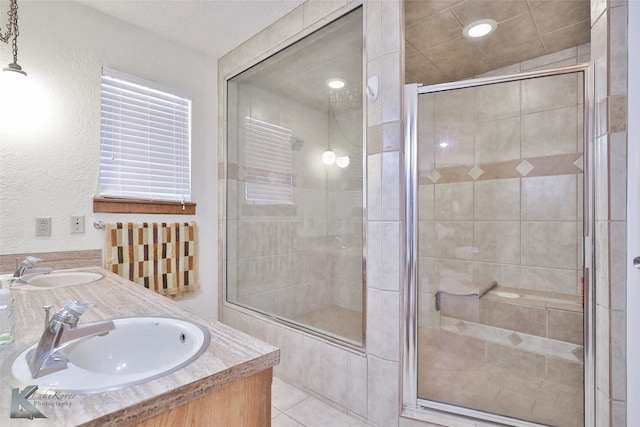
(130, 206)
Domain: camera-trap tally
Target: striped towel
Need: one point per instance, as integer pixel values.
(158, 256)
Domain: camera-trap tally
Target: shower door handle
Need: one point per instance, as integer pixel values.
(636, 262)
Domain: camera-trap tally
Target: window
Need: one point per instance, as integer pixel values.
(145, 141)
(269, 164)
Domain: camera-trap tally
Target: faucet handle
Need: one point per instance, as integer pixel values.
(47, 314)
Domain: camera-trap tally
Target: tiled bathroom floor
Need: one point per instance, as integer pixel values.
(291, 407)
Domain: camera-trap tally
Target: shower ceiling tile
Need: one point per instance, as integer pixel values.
(526, 29)
(558, 14)
(498, 10)
(434, 30)
(456, 66)
(515, 40)
(568, 36)
(415, 10)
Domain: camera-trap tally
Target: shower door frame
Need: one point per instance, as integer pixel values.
(431, 411)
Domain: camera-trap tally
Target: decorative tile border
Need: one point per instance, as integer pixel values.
(560, 164)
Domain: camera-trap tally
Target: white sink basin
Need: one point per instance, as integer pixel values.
(56, 279)
(140, 349)
(61, 279)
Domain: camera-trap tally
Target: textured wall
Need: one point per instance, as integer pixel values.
(50, 149)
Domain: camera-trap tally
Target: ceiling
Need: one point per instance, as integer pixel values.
(435, 49)
(437, 52)
(214, 27)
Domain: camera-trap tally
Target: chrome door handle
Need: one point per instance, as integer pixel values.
(636, 262)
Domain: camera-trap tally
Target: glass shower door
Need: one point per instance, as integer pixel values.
(500, 318)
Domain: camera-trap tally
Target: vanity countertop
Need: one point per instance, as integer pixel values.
(232, 355)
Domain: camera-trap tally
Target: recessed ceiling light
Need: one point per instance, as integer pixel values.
(480, 28)
(336, 83)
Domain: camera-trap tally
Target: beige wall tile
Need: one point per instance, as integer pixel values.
(426, 202)
(618, 50)
(550, 132)
(315, 11)
(502, 274)
(451, 271)
(427, 275)
(516, 317)
(390, 90)
(391, 256)
(374, 187)
(374, 322)
(287, 27)
(497, 140)
(391, 22)
(564, 281)
(453, 145)
(602, 264)
(255, 46)
(618, 355)
(510, 358)
(391, 186)
(565, 326)
(549, 93)
(452, 107)
(565, 372)
(319, 359)
(618, 176)
(454, 201)
(373, 31)
(552, 198)
(391, 309)
(445, 237)
(497, 241)
(497, 200)
(601, 178)
(497, 101)
(558, 248)
(374, 109)
(618, 274)
(383, 391)
(357, 384)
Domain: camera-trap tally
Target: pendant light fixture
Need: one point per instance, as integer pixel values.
(328, 157)
(12, 35)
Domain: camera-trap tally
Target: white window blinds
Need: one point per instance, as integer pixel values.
(145, 140)
(269, 163)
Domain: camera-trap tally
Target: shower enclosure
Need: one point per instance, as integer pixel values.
(294, 165)
(499, 307)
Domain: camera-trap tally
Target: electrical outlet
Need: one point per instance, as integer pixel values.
(43, 226)
(77, 224)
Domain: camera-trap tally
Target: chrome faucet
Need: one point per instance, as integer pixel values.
(59, 334)
(25, 270)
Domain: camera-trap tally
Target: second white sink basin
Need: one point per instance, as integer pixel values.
(59, 279)
(138, 350)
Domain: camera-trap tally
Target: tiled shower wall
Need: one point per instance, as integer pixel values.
(511, 172)
(367, 384)
(292, 259)
(609, 54)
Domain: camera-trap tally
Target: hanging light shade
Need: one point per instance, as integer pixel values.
(342, 162)
(328, 157)
(12, 34)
